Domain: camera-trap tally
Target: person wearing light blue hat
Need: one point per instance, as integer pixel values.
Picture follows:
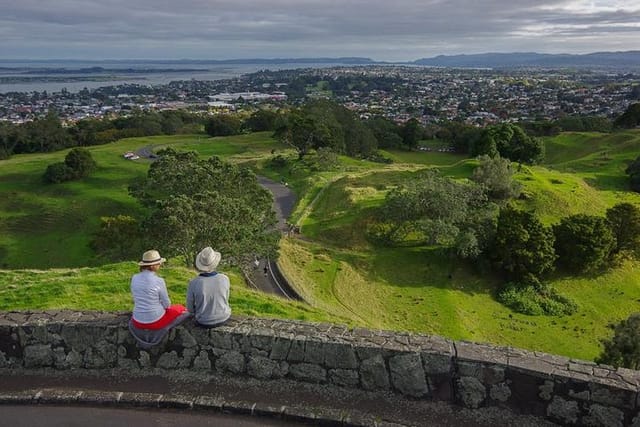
(208, 293)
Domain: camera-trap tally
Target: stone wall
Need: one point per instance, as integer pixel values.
(415, 366)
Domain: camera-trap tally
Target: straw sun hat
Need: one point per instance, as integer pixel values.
(207, 260)
(151, 257)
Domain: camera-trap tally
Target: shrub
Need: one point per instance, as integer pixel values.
(583, 242)
(536, 300)
(58, 172)
(623, 349)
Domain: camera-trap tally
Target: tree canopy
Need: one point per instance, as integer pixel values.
(509, 141)
(583, 242)
(195, 203)
(623, 349)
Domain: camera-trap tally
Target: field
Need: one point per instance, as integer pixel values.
(334, 267)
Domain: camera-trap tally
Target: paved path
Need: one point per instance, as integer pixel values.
(72, 416)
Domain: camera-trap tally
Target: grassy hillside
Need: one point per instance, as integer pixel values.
(333, 266)
(107, 288)
(55, 221)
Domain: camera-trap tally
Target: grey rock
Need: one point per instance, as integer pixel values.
(261, 367)
(566, 411)
(232, 361)
(262, 342)
(168, 360)
(436, 364)
(340, 355)
(144, 359)
(296, 351)
(471, 392)
(374, 374)
(546, 390)
(184, 338)
(500, 392)
(202, 361)
(221, 340)
(604, 416)
(308, 372)
(3, 360)
(59, 358)
(38, 355)
(280, 348)
(314, 352)
(188, 354)
(407, 375)
(368, 352)
(344, 377)
(281, 370)
(73, 359)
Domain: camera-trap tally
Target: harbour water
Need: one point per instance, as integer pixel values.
(28, 76)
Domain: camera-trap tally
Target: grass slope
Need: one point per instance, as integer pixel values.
(107, 288)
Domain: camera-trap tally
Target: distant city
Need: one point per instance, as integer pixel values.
(520, 87)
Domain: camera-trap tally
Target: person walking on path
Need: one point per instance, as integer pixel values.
(208, 293)
(153, 314)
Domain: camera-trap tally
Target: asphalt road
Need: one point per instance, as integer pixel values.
(77, 416)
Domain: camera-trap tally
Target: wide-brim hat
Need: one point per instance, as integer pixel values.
(207, 260)
(151, 257)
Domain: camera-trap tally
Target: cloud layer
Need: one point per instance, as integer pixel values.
(381, 29)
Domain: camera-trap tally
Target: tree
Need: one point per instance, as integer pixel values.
(261, 120)
(437, 210)
(411, 133)
(523, 247)
(624, 221)
(496, 175)
(630, 118)
(223, 125)
(623, 349)
(583, 242)
(633, 170)
(80, 161)
(511, 142)
(194, 203)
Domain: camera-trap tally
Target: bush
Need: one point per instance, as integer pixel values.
(536, 300)
(58, 172)
(583, 242)
(623, 349)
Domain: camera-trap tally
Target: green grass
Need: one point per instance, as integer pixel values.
(50, 225)
(107, 288)
(336, 269)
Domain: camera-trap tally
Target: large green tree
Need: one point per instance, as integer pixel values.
(623, 349)
(194, 203)
(511, 142)
(583, 242)
(437, 210)
(496, 175)
(523, 247)
(624, 221)
(630, 118)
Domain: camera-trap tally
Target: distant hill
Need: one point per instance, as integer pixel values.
(531, 59)
(323, 60)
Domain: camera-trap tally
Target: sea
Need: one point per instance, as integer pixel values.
(46, 75)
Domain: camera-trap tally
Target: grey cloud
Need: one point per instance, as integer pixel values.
(381, 29)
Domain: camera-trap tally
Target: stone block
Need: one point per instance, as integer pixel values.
(202, 361)
(308, 372)
(407, 375)
(340, 355)
(500, 392)
(168, 360)
(374, 375)
(232, 361)
(296, 351)
(613, 396)
(314, 352)
(261, 367)
(221, 340)
(280, 348)
(38, 355)
(565, 411)
(603, 416)
(471, 392)
(184, 338)
(344, 377)
(437, 364)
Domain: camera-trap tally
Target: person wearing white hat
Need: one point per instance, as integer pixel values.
(152, 308)
(208, 293)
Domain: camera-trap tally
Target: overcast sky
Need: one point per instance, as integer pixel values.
(379, 29)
